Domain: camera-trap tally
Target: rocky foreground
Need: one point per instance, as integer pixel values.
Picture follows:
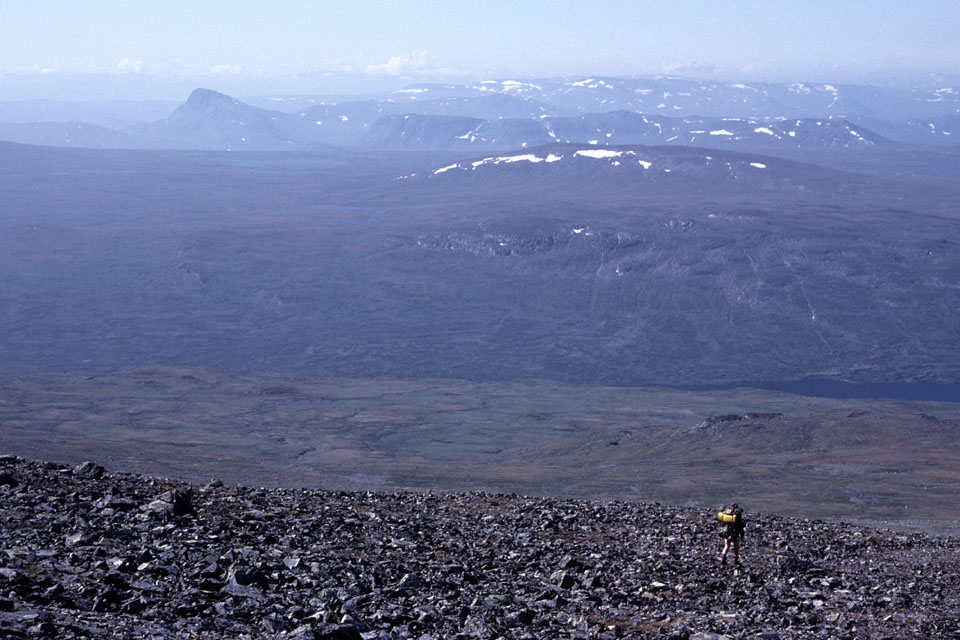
(90, 554)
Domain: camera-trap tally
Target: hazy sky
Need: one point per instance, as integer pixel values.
(824, 40)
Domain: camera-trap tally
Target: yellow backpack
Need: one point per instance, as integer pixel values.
(730, 516)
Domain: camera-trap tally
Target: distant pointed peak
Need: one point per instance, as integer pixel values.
(202, 98)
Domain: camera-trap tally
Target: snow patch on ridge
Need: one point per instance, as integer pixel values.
(601, 153)
(526, 157)
(516, 85)
(523, 157)
(597, 154)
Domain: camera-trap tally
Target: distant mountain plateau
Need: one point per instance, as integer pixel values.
(507, 114)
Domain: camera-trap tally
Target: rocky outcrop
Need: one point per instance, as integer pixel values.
(87, 553)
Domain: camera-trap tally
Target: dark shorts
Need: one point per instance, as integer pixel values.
(728, 533)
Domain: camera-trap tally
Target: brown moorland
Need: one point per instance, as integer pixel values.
(878, 460)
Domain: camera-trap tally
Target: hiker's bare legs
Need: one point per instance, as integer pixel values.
(736, 549)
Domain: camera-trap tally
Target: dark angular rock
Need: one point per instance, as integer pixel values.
(161, 508)
(248, 576)
(121, 564)
(174, 503)
(411, 582)
(242, 591)
(44, 629)
(210, 585)
(336, 632)
(275, 623)
(304, 632)
(792, 563)
(516, 619)
(88, 469)
(79, 539)
(116, 503)
(563, 580)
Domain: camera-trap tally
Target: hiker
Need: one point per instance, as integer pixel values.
(733, 528)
